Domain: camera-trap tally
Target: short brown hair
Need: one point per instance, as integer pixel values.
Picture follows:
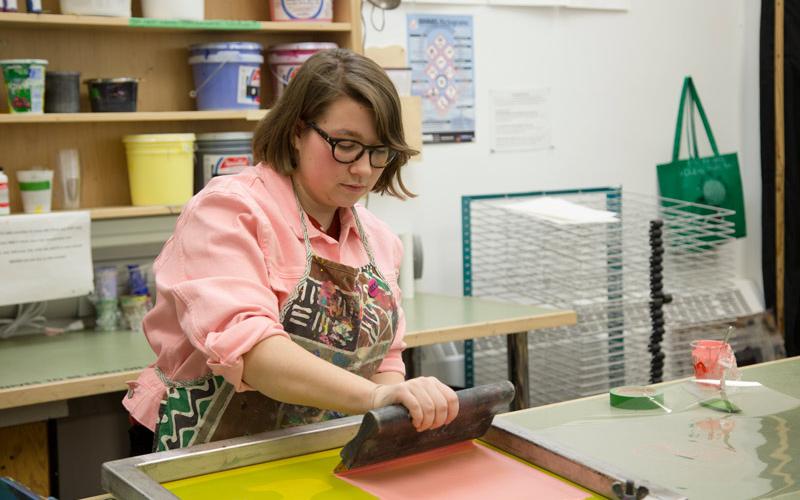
(323, 78)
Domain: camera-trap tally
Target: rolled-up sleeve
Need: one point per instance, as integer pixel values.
(393, 362)
(224, 301)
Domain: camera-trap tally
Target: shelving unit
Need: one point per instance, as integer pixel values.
(127, 212)
(89, 22)
(140, 116)
(156, 52)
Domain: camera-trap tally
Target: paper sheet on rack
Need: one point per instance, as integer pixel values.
(45, 257)
(561, 211)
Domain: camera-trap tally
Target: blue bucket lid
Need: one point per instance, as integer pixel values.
(243, 46)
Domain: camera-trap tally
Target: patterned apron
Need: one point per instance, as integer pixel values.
(344, 315)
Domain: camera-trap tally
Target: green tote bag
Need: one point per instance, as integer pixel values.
(710, 180)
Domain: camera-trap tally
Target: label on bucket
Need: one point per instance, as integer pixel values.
(4, 201)
(34, 186)
(215, 165)
(248, 88)
(283, 75)
(25, 87)
(298, 10)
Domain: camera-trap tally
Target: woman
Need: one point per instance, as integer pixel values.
(277, 298)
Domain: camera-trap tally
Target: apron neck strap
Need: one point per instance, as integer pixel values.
(302, 223)
(363, 236)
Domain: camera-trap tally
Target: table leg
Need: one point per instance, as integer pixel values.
(518, 369)
(408, 360)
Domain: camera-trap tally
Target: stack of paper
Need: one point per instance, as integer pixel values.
(561, 211)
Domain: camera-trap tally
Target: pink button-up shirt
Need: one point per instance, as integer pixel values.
(222, 278)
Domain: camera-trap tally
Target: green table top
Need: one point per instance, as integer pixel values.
(694, 451)
(37, 359)
(104, 360)
(432, 318)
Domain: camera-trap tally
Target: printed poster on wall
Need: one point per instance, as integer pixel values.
(442, 73)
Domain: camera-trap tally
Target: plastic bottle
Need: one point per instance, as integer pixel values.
(136, 281)
(5, 205)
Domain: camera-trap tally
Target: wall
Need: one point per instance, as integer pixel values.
(615, 79)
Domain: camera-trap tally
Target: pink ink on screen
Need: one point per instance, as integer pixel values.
(465, 471)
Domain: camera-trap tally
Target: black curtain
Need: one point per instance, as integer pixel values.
(791, 114)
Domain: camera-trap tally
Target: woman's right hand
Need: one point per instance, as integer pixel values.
(430, 402)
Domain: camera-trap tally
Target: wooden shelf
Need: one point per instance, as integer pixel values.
(139, 116)
(23, 19)
(273, 26)
(20, 19)
(129, 212)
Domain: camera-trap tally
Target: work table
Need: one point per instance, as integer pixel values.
(40, 369)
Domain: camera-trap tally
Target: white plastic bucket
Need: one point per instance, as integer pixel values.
(301, 10)
(36, 187)
(285, 60)
(192, 10)
(111, 8)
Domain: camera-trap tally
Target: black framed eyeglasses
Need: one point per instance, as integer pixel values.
(349, 151)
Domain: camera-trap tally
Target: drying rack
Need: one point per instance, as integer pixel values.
(603, 271)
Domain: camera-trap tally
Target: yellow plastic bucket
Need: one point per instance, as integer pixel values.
(160, 168)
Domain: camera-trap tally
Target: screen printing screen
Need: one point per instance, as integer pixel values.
(469, 470)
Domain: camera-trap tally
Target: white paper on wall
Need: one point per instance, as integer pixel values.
(521, 120)
(45, 256)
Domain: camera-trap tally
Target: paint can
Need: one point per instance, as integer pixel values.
(24, 84)
(227, 75)
(301, 10)
(222, 153)
(62, 89)
(159, 168)
(112, 94)
(285, 60)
